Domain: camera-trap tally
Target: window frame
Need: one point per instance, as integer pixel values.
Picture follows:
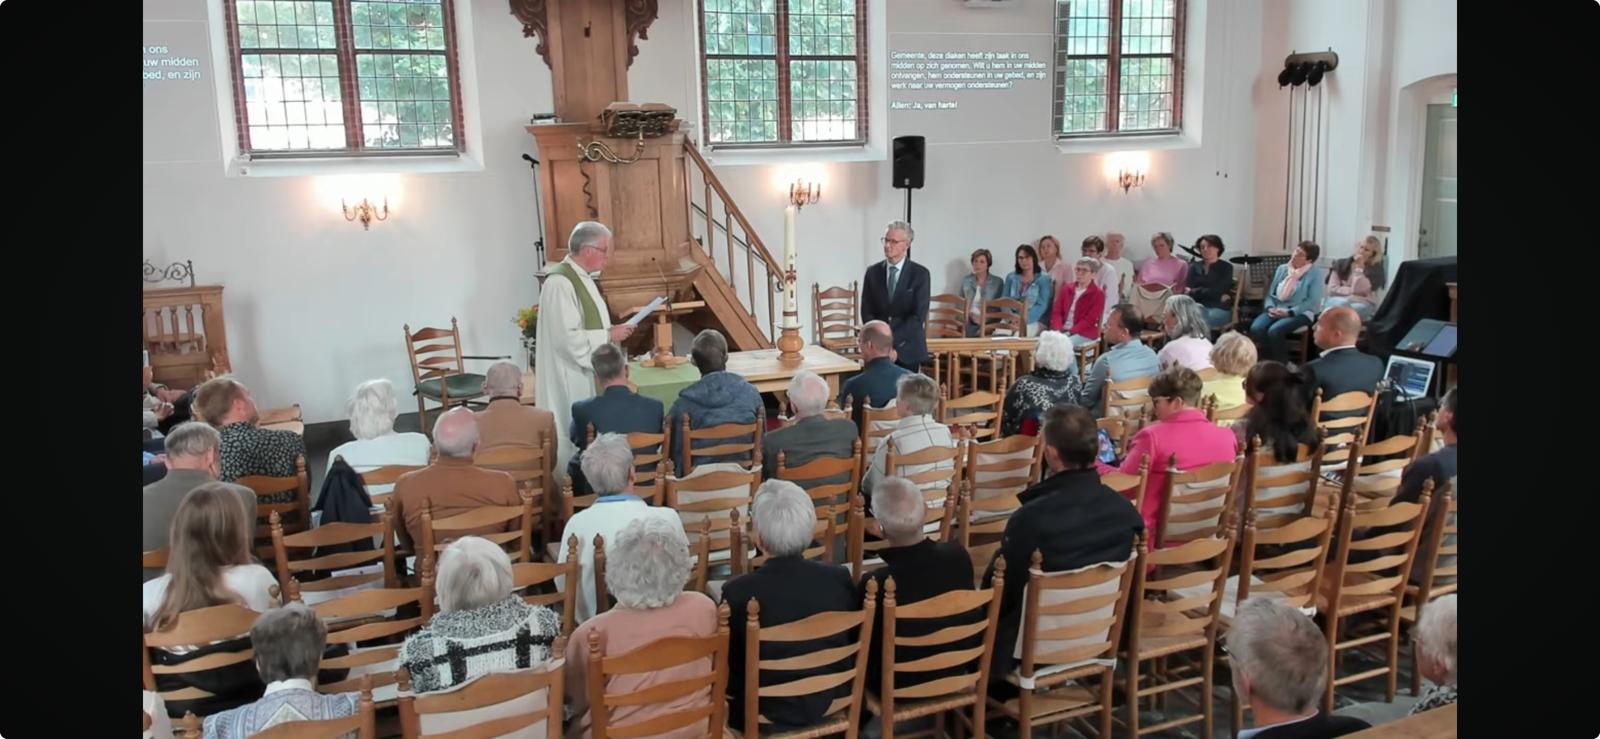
(349, 89)
(1113, 58)
(782, 60)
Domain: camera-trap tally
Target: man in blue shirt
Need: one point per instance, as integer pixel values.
(1128, 357)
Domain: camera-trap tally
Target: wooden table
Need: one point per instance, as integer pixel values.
(1439, 723)
(946, 352)
(762, 368)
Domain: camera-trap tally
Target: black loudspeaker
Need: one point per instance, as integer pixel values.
(908, 156)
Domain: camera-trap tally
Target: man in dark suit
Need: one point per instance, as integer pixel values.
(1280, 668)
(1070, 517)
(878, 381)
(922, 568)
(812, 435)
(615, 410)
(1342, 367)
(789, 588)
(895, 291)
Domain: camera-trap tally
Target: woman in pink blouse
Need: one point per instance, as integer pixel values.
(1164, 268)
(1181, 432)
(1355, 280)
(1051, 263)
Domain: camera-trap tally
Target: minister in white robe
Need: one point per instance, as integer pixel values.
(573, 322)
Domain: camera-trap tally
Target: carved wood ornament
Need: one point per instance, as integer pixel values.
(638, 15)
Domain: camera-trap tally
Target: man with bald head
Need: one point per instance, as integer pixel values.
(875, 384)
(452, 484)
(507, 422)
(1342, 367)
(810, 435)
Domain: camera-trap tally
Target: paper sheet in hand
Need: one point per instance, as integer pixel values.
(646, 311)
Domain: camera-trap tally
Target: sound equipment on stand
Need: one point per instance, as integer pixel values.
(909, 154)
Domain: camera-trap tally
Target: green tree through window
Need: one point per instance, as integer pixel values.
(784, 71)
(1129, 81)
(344, 76)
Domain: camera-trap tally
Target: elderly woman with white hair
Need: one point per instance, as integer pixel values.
(288, 643)
(646, 568)
(482, 626)
(1188, 334)
(372, 412)
(1054, 380)
(1436, 653)
(789, 588)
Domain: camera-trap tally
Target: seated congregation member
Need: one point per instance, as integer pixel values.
(164, 407)
(1163, 268)
(1127, 358)
(1050, 261)
(372, 412)
(1079, 305)
(1181, 429)
(922, 568)
(1053, 381)
(1280, 667)
(917, 430)
(616, 410)
(1125, 272)
(1105, 275)
(1437, 466)
(482, 627)
(718, 397)
(1210, 280)
(1355, 280)
(452, 484)
(608, 466)
(1279, 414)
(1031, 285)
(1233, 356)
(874, 385)
(978, 287)
(811, 434)
(247, 449)
(646, 568)
(288, 644)
(209, 565)
(505, 421)
(192, 450)
(1293, 298)
(1069, 516)
(789, 588)
(1342, 367)
(1188, 337)
(1435, 659)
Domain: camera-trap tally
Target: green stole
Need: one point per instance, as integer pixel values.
(591, 313)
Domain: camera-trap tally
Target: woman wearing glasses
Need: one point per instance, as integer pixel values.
(1180, 430)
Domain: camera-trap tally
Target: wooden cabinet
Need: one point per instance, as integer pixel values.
(184, 333)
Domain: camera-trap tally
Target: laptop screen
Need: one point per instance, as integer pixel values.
(1410, 376)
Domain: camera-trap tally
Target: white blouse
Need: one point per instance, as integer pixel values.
(254, 584)
(365, 455)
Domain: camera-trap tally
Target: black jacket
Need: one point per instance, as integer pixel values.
(789, 589)
(1317, 727)
(1342, 371)
(615, 410)
(921, 571)
(905, 311)
(1207, 286)
(1074, 521)
(344, 499)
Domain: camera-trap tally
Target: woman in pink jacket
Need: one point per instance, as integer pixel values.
(1182, 431)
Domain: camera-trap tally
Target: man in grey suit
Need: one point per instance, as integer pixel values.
(811, 435)
(192, 460)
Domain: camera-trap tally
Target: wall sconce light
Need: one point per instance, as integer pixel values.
(803, 193)
(1127, 169)
(365, 212)
(1129, 179)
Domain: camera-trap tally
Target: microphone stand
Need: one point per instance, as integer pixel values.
(538, 211)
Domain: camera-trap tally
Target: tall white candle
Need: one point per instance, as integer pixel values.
(789, 305)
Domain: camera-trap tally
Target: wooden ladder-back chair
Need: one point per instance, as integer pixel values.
(832, 499)
(1128, 398)
(516, 703)
(1345, 416)
(295, 511)
(225, 623)
(489, 522)
(1286, 560)
(906, 690)
(1224, 416)
(1352, 587)
(386, 475)
(1280, 492)
(1086, 354)
(367, 616)
(720, 498)
(843, 715)
(979, 412)
(995, 473)
(833, 319)
(371, 567)
(936, 471)
(876, 425)
(1235, 297)
(653, 657)
(156, 559)
(362, 725)
(1436, 574)
(1374, 484)
(1004, 317)
(1132, 487)
(1175, 615)
(947, 317)
(936, 521)
(438, 369)
(532, 468)
(651, 463)
(740, 441)
(1072, 624)
(1195, 504)
(560, 578)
